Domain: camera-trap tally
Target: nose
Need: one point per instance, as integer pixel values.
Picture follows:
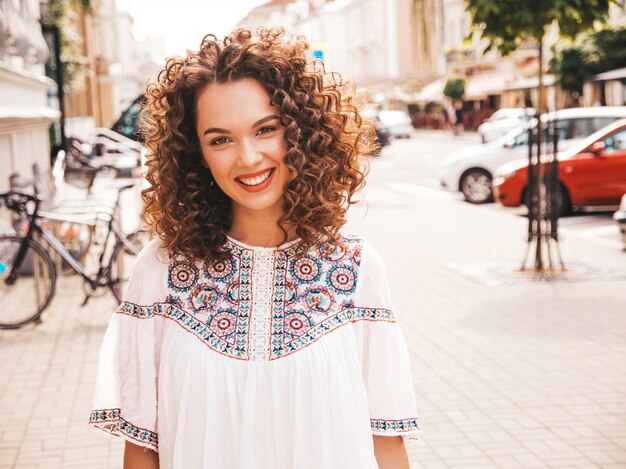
(250, 154)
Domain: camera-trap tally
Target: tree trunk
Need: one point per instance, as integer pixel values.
(539, 183)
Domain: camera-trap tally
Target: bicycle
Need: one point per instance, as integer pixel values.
(27, 272)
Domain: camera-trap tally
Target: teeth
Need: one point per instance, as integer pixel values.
(255, 181)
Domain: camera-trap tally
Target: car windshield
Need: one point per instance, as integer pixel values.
(587, 142)
(519, 136)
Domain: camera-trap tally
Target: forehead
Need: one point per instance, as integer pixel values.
(232, 104)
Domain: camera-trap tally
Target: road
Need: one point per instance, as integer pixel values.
(409, 168)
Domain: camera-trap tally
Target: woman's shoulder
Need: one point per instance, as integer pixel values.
(152, 259)
(353, 250)
(362, 247)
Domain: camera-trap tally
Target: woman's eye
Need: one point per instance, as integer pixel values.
(265, 130)
(219, 141)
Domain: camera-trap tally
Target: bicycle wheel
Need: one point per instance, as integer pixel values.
(25, 289)
(123, 260)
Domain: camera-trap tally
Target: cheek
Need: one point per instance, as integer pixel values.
(214, 165)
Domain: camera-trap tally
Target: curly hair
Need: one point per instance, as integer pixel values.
(323, 131)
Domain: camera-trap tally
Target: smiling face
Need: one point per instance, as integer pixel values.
(243, 146)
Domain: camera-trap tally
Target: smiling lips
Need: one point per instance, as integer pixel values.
(256, 182)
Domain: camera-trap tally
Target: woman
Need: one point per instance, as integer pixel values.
(254, 335)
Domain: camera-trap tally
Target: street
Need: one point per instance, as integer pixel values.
(411, 168)
(522, 374)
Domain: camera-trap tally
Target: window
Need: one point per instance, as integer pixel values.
(615, 142)
(521, 139)
(579, 128)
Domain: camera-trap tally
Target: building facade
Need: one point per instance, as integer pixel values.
(25, 114)
(392, 47)
(403, 51)
(118, 67)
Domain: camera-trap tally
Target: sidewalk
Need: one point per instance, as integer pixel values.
(531, 375)
(528, 375)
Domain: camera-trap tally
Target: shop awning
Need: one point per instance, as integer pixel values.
(617, 74)
(482, 85)
(431, 92)
(529, 83)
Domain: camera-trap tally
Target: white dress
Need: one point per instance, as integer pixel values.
(272, 360)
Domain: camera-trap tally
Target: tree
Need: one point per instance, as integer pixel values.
(63, 14)
(600, 51)
(507, 24)
(570, 67)
(454, 88)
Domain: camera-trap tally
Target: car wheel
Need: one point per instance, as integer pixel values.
(476, 186)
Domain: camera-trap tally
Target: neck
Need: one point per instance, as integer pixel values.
(259, 229)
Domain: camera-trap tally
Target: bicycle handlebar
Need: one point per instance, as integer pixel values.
(16, 201)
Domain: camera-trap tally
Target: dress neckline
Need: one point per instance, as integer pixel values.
(281, 247)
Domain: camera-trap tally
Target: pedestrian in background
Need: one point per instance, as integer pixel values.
(253, 334)
(458, 126)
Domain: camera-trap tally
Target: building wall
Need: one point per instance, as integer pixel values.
(118, 67)
(379, 43)
(391, 45)
(25, 115)
(426, 31)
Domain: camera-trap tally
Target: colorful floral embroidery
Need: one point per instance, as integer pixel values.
(183, 275)
(318, 299)
(203, 297)
(330, 252)
(111, 421)
(342, 279)
(399, 426)
(306, 269)
(224, 325)
(221, 269)
(296, 299)
(297, 324)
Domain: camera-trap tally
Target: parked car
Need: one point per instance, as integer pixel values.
(397, 123)
(503, 121)
(620, 218)
(591, 173)
(128, 122)
(382, 134)
(470, 169)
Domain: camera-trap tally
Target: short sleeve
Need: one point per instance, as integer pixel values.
(385, 358)
(125, 397)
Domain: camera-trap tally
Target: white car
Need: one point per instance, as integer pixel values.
(503, 121)
(471, 169)
(397, 123)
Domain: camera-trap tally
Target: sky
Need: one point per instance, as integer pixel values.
(185, 22)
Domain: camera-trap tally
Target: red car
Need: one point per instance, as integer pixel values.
(592, 173)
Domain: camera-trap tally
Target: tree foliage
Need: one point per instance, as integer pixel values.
(507, 24)
(64, 14)
(454, 88)
(592, 53)
(568, 66)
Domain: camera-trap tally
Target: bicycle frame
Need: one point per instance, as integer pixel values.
(59, 248)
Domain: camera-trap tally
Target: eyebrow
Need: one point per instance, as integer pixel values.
(226, 131)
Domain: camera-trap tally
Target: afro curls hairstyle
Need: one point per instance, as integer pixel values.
(324, 133)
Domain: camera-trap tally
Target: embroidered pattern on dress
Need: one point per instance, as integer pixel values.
(400, 426)
(264, 304)
(111, 421)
